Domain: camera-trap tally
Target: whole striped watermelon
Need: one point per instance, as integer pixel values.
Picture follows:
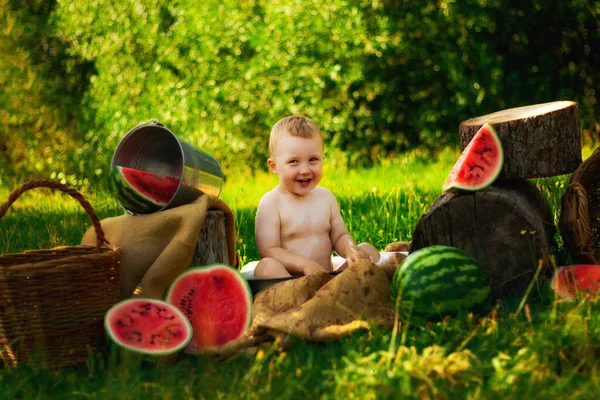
(437, 281)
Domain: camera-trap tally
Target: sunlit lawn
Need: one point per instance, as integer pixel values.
(548, 349)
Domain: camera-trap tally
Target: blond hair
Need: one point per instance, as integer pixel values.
(295, 125)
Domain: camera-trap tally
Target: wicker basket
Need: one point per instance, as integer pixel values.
(580, 212)
(52, 302)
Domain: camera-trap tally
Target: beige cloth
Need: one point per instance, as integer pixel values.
(158, 247)
(318, 308)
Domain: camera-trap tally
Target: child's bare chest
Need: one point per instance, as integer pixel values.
(305, 220)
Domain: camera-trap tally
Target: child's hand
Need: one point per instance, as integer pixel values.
(353, 255)
(312, 268)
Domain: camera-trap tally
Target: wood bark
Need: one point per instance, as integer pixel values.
(212, 241)
(540, 140)
(579, 221)
(506, 227)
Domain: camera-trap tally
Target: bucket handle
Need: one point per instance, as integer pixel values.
(45, 183)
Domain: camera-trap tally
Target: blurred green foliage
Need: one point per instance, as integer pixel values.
(379, 76)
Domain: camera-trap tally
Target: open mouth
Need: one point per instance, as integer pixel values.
(304, 181)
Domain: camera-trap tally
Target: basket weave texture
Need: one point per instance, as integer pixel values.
(52, 302)
(579, 221)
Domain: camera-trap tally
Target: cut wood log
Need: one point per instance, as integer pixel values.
(506, 227)
(540, 140)
(212, 241)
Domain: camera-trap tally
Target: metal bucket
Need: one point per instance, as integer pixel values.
(152, 147)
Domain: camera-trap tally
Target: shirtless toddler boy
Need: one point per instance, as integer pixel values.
(298, 223)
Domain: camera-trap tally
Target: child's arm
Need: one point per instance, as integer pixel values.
(343, 243)
(267, 232)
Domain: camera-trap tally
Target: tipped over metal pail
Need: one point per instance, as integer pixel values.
(153, 148)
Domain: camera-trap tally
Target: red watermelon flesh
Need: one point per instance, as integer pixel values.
(479, 164)
(148, 326)
(218, 302)
(158, 189)
(579, 279)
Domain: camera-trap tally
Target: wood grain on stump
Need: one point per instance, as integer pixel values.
(540, 140)
(212, 241)
(506, 227)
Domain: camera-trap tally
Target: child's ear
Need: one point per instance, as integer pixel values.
(272, 165)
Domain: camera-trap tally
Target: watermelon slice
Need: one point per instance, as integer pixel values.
(479, 164)
(142, 191)
(148, 326)
(217, 301)
(579, 279)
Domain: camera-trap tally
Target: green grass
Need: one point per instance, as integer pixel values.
(546, 348)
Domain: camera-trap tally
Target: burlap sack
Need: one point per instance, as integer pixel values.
(317, 308)
(158, 247)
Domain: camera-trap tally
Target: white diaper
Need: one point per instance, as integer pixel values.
(247, 270)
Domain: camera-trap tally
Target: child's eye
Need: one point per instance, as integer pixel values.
(314, 159)
(293, 162)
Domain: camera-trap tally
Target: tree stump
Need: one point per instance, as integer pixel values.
(506, 227)
(212, 241)
(541, 140)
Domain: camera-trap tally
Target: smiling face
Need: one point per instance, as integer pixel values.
(298, 162)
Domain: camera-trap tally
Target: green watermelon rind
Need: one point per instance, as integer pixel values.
(122, 345)
(124, 193)
(454, 185)
(207, 268)
(127, 197)
(436, 281)
(130, 198)
(135, 196)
